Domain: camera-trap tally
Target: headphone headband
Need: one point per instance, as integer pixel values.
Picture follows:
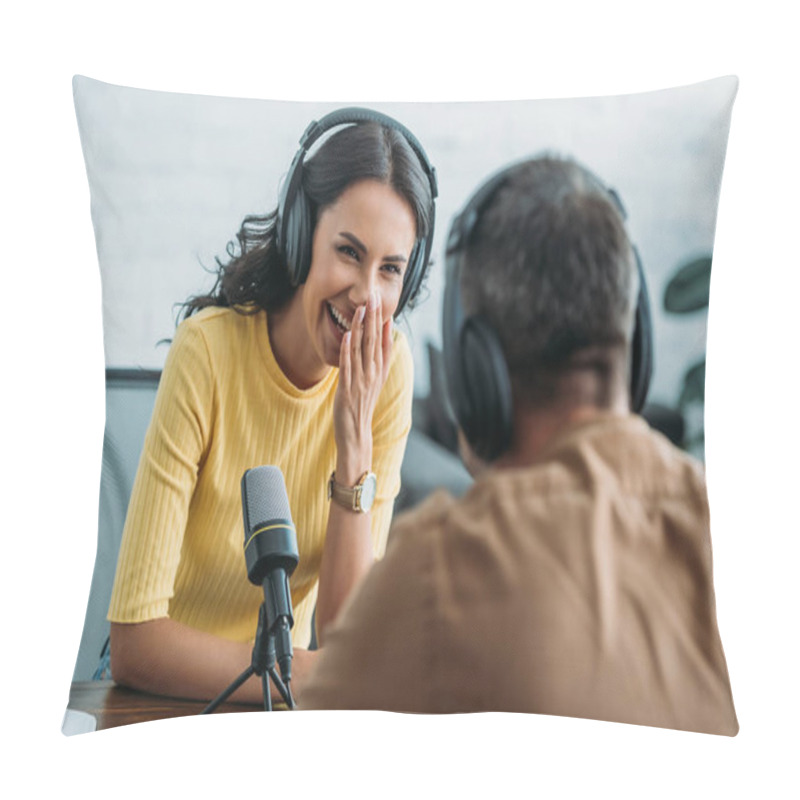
(463, 224)
(355, 115)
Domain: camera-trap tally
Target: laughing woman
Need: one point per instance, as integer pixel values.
(291, 360)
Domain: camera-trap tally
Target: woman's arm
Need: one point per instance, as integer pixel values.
(150, 651)
(348, 551)
(346, 557)
(165, 657)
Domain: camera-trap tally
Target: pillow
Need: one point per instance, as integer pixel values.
(171, 176)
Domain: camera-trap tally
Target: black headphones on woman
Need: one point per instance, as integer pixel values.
(295, 222)
(478, 382)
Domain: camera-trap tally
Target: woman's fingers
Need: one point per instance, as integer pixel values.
(368, 345)
(370, 332)
(357, 337)
(386, 347)
(345, 361)
(377, 336)
(363, 367)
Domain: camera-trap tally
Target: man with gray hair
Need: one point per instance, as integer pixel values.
(575, 576)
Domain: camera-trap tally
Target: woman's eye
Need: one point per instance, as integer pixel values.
(351, 252)
(395, 269)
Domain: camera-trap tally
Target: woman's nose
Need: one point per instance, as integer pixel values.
(364, 286)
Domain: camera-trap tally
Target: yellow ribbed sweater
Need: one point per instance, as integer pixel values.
(224, 406)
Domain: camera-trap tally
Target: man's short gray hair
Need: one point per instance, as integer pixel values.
(551, 268)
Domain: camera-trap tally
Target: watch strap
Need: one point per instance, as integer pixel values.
(347, 496)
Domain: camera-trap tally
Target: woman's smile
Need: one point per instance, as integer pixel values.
(341, 323)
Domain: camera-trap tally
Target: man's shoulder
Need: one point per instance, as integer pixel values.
(427, 516)
(626, 451)
(623, 462)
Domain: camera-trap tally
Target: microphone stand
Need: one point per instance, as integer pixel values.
(263, 665)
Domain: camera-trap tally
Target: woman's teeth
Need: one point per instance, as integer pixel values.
(338, 318)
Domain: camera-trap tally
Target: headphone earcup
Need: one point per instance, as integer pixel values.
(419, 259)
(414, 272)
(483, 401)
(641, 345)
(476, 373)
(296, 238)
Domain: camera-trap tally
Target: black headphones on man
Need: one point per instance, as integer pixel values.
(478, 382)
(295, 222)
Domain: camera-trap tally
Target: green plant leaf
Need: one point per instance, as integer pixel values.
(688, 288)
(694, 385)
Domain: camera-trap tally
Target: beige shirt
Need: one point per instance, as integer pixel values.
(579, 586)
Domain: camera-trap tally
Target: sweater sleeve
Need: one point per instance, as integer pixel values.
(390, 428)
(174, 448)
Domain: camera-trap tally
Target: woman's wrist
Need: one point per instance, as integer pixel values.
(352, 463)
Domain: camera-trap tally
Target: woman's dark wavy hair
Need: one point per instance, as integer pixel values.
(256, 276)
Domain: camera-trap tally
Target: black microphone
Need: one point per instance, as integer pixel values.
(270, 550)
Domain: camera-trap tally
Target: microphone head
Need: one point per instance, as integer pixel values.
(270, 540)
(264, 496)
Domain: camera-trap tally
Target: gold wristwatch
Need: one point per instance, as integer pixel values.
(357, 498)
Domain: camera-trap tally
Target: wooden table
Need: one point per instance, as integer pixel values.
(113, 705)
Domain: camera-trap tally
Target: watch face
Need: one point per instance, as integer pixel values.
(368, 489)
